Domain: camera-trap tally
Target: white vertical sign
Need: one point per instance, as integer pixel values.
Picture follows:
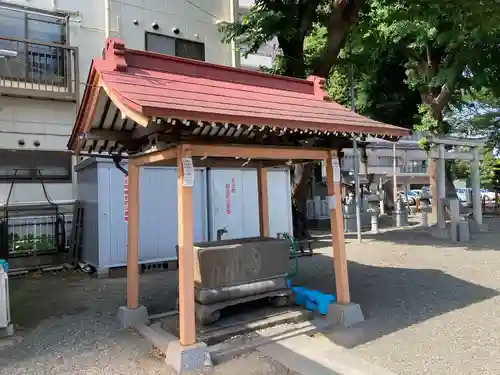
(188, 172)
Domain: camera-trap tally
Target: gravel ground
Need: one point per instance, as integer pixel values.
(430, 308)
(65, 324)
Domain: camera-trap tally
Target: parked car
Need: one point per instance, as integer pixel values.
(487, 195)
(412, 197)
(461, 195)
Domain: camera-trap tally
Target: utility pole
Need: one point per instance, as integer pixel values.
(356, 157)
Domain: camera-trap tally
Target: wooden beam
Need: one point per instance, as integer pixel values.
(133, 237)
(90, 114)
(263, 201)
(154, 157)
(187, 327)
(135, 116)
(258, 152)
(228, 163)
(337, 228)
(109, 135)
(150, 129)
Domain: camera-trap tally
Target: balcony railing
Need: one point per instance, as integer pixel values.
(415, 169)
(38, 70)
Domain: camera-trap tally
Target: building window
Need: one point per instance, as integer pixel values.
(386, 161)
(175, 46)
(416, 166)
(33, 165)
(29, 38)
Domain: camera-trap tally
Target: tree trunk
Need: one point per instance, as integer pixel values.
(363, 159)
(431, 169)
(343, 14)
(301, 180)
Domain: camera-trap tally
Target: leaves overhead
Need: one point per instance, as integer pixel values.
(450, 47)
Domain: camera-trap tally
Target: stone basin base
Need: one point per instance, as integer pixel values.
(231, 272)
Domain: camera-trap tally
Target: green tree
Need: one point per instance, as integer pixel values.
(487, 171)
(445, 48)
(291, 22)
(451, 49)
(311, 36)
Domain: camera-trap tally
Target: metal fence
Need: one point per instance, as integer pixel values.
(318, 209)
(36, 233)
(47, 68)
(35, 227)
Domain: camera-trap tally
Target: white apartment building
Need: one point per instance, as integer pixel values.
(46, 47)
(264, 57)
(411, 163)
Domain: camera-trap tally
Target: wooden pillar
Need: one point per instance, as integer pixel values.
(337, 228)
(263, 202)
(395, 175)
(133, 237)
(187, 327)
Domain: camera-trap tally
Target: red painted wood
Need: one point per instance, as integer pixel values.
(161, 85)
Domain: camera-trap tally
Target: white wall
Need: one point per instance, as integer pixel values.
(51, 122)
(264, 57)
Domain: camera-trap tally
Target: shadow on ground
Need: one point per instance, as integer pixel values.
(416, 235)
(391, 298)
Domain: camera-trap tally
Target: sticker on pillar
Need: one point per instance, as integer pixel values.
(228, 199)
(332, 203)
(187, 172)
(125, 199)
(336, 170)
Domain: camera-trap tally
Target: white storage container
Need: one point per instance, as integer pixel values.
(101, 190)
(222, 198)
(4, 300)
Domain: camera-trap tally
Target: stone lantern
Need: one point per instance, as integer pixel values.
(401, 213)
(374, 209)
(425, 207)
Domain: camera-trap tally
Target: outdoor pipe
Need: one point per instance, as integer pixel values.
(106, 18)
(117, 160)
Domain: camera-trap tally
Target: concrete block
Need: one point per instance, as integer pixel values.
(345, 315)
(7, 331)
(350, 223)
(102, 273)
(463, 231)
(185, 360)
(188, 359)
(131, 317)
(441, 233)
(478, 228)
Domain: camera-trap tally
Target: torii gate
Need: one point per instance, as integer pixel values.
(438, 152)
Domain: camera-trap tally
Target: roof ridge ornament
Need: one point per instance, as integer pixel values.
(319, 87)
(114, 54)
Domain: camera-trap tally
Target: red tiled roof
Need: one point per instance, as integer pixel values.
(166, 86)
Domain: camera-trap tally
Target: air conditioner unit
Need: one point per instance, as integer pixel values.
(4, 300)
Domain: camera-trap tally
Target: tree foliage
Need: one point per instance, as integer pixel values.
(487, 171)
(451, 48)
(415, 60)
(478, 115)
